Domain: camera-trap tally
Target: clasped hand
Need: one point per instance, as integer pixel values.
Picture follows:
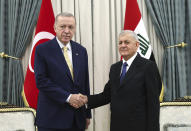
(78, 100)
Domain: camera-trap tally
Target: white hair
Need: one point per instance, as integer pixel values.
(64, 14)
(132, 33)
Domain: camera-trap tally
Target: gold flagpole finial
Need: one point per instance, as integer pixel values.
(182, 45)
(3, 55)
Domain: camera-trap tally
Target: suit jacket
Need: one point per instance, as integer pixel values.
(135, 102)
(55, 83)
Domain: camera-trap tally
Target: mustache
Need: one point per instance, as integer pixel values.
(123, 48)
(66, 35)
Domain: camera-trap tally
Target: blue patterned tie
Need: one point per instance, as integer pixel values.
(123, 71)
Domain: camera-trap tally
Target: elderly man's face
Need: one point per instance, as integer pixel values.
(127, 46)
(65, 28)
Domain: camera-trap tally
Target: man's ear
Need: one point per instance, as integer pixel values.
(137, 44)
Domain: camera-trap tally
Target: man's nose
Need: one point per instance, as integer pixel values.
(123, 44)
(66, 30)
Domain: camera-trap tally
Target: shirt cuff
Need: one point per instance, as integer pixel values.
(67, 100)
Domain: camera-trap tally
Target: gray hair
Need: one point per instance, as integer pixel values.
(130, 32)
(64, 14)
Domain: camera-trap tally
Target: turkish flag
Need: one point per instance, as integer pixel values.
(44, 32)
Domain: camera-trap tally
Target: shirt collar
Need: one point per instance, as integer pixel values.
(130, 61)
(68, 45)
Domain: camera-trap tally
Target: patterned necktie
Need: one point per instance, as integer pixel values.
(124, 69)
(68, 60)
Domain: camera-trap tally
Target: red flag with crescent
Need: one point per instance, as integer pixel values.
(44, 32)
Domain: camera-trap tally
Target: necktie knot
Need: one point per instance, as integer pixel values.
(125, 64)
(65, 49)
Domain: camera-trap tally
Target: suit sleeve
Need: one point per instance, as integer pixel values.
(87, 89)
(153, 86)
(44, 83)
(101, 98)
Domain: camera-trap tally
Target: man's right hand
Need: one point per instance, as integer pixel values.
(77, 100)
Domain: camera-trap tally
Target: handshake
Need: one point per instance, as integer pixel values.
(78, 100)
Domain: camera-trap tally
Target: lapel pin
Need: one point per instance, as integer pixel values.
(77, 54)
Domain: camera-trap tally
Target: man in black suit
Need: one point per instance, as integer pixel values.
(133, 89)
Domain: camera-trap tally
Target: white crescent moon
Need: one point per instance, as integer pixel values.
(39, 36)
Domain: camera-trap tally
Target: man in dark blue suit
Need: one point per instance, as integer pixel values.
(61, 72)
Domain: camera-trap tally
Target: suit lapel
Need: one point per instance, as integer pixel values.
(131, 71)
(75, 59)
(59, 56)
(115, 74)
(118, 72)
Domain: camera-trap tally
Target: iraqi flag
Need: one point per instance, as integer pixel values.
(134, 22)
(44, 32)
